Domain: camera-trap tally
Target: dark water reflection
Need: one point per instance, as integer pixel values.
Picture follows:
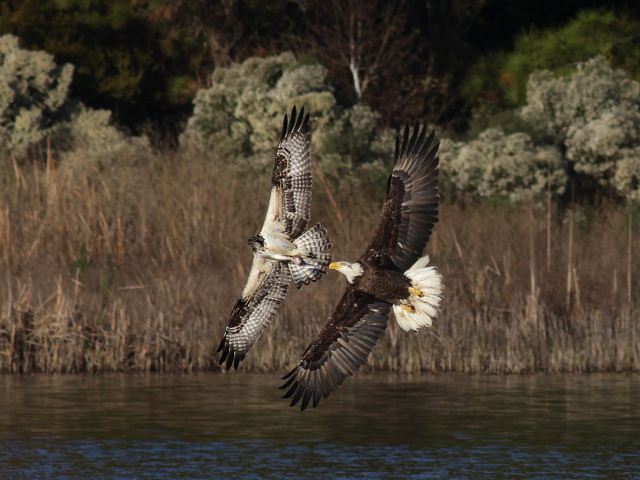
(235, 426)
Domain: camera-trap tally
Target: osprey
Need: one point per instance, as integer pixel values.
(390, 274)
(281, 252)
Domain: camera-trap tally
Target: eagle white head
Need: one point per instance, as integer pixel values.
(349, 270)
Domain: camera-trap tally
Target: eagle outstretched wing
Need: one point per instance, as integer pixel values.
(410, 208)
(340, 348)
(291, 180)
(265, 290)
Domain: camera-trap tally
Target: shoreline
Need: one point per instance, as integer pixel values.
(137, 269)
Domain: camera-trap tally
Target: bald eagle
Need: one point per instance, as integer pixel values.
(281, 251)
(391, 274)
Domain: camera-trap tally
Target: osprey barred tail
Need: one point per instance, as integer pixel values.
(281, 251)
(313, 246)
(392, 273)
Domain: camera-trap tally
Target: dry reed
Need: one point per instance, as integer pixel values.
(137, 268)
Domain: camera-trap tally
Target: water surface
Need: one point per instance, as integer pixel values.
(236, 426)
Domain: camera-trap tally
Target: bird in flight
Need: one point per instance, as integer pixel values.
(391, 274)
(281, 251)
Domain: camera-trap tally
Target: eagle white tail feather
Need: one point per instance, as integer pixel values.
(313, 246)
(429, 281)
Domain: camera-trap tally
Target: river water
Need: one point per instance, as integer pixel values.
(374, 427)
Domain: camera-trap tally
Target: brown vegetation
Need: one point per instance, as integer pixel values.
(137, 268)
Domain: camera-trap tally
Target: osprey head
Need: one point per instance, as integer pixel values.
(349, 270)
(256, 242)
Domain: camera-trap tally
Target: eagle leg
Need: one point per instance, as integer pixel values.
(416, 292)
(407, 308)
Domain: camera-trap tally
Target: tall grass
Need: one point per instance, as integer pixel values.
(136, 268)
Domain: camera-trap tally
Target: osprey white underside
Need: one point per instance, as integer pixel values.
(277, 247)
(277, 244)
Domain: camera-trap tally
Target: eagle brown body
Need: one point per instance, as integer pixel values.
(389, 285)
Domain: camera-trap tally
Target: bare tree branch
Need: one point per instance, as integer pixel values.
(365, 38)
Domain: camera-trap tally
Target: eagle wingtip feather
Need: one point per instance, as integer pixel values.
(291, 390)
(396, 154)
(221, 346)
(289, 374)
(305, 400)
(296, 398)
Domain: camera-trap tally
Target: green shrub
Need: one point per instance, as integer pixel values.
(583, 126)
(240, 115)
(34, 104)
(594, 115)
(95, 144)
(123, 60)
(500, 165)
(33, 95)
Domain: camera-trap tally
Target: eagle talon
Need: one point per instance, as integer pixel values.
(407, 308)
(416, 292)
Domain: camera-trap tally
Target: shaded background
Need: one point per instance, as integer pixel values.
(440, 60)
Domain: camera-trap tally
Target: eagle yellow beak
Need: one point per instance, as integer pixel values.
(334, 266)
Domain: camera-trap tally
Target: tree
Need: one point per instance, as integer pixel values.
(367, 41)
(593, 115)
(33, 95)
(119, 58)
(215, 23)
(240, 115)
(218, 32)
(496, 164)
(35, 104)
(501, 78)
(585, 130)
(404, 58)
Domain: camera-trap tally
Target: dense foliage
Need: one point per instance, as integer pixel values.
(33, 95)
(500, 79)
(578, 130)
(35, 105)
(587, 126)
(593, 115)
(120, 58)
(496, 164)
(240, 115)
(145, 59)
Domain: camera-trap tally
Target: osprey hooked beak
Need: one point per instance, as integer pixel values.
(256, 242)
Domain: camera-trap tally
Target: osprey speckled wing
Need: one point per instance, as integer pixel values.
(281, 251)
